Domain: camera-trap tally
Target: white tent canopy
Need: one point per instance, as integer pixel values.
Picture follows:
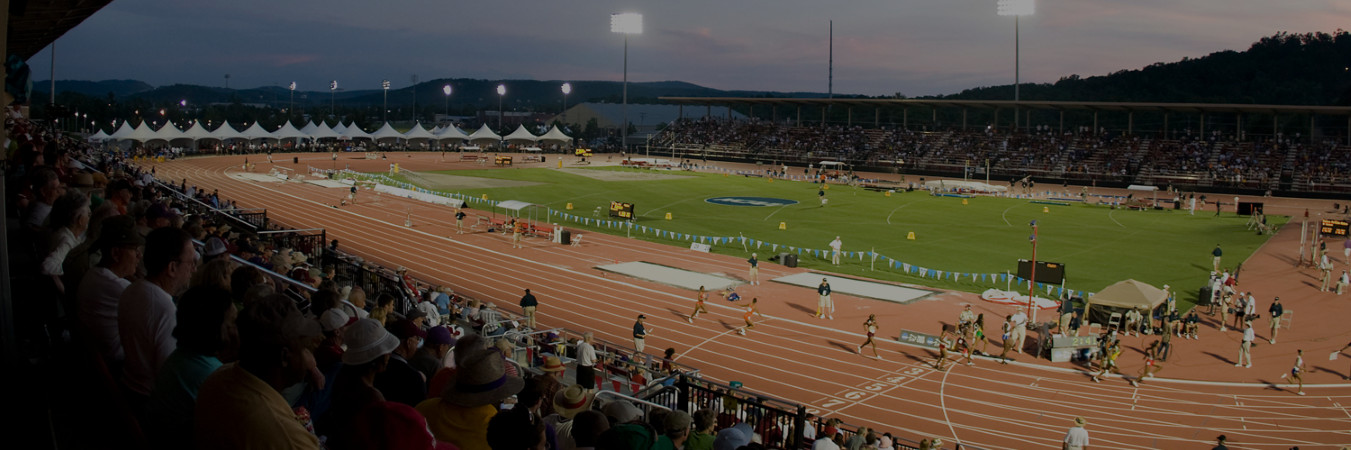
(386, 132)
(522, 134)
(142, 133)
(168, 132)
(257, 132)
(288, 131)
(123, 132)
(555, 134)
(417, 132)
(99, 136)
(196, 131)
(484, 134)
(339, 128)
(451, 132)
(1126, 295)
(322, 131)
(309, 128)
(225, 132)
(354, 132)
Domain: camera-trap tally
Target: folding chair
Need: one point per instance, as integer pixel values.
(1094, 329)
(576, 240)
(1114, 321)
(1288, 319)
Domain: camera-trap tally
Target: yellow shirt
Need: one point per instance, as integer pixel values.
(236, 410)
(467, 428)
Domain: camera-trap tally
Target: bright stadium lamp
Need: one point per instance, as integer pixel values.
(567, 89)
(501, 92)
(1016, 8)
(626, 24)
(447, 90)
(385, 84)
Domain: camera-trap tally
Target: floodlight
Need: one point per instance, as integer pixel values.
(1017, 7)
(567, 88)
(446, 89)
(627, 23)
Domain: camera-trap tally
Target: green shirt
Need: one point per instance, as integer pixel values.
(699, 441)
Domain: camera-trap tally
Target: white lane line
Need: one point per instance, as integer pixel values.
(898, 208)
(1004, 214)
(1109, 216)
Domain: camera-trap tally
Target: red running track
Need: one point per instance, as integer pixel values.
(790, 355)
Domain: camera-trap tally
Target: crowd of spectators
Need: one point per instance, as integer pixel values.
(217, 337)
(1216, 158)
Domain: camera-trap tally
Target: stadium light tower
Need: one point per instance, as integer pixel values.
(447, 90)
(385, 84)
(501, 92)
(626, 24)
(567, 89)
(1016, 8)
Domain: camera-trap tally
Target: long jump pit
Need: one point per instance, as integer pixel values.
(858, 288)
(671, 276)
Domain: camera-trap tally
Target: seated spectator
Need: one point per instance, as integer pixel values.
(354, 301)
(328, 359)
(621, 412)
(701, 437)
(244, 278)
(98, 293)
(587, 427)
(735, 437)
(551, 381)
(462, 413)
(567, 403)
(146, 311)
(275, 341)
(430, 358)
(394, 426)
(400, 382)
(384, 307)
(205, 334)
(68, 221)
(216, 274)
(516, 429)
(675, 431)
(368, 353)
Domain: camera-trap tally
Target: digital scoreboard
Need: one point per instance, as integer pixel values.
(1333, 227)
(621, 210)
(1047, 272)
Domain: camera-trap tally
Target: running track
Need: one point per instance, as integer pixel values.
(789, 354)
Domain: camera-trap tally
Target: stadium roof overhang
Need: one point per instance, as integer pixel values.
(1193, 108)
(35, 24)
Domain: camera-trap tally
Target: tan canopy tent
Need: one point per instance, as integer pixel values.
(1128, 294)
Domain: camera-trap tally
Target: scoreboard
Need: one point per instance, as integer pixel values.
(621, 210)
(1333, 227)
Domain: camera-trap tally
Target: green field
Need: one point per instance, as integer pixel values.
(1098, 245)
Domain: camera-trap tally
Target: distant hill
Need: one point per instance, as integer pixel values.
(97, 89)
(1283, 69)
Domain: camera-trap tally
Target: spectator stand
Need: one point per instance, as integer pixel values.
(309, 241)
(209, 212)
(372, 278)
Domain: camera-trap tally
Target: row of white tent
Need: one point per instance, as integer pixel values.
(168, 133)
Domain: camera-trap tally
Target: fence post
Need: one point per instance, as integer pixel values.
(799, 426)
(683, 394)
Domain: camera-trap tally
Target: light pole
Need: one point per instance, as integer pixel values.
(332, 94)
(385, 84)
(567, 89)
(292, 104)
(501, 92)
(626, 24)
(1032, 283)
(1016, 8)
(447, 90)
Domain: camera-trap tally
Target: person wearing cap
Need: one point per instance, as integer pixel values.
(1019, 329)
(824, 306)
(586, 362)
(367, 355)
(401, 382)
(431, 356)
(735, 437)
(146, 310)
(639, 333)
(1077, 437)
(1276, 311)
(205, 334)
(528, 305)
(213, 249)
(754, 275)
(328, 356)
(551, 381)
(275, 341)
(675, 430)
(566, 404)
(461, 414)
(98, 292)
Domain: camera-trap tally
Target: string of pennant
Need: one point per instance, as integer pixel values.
(823, 254)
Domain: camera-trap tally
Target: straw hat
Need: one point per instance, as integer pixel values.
(1080, 421)
(481, 380)
(367, 340)
(572, 400)
(552, 364)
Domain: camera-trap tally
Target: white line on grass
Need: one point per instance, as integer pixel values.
(897, 209)
(1006, 211)
(777, 211)
(1109, 216)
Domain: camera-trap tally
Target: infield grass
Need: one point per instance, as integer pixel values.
(1098, 245)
